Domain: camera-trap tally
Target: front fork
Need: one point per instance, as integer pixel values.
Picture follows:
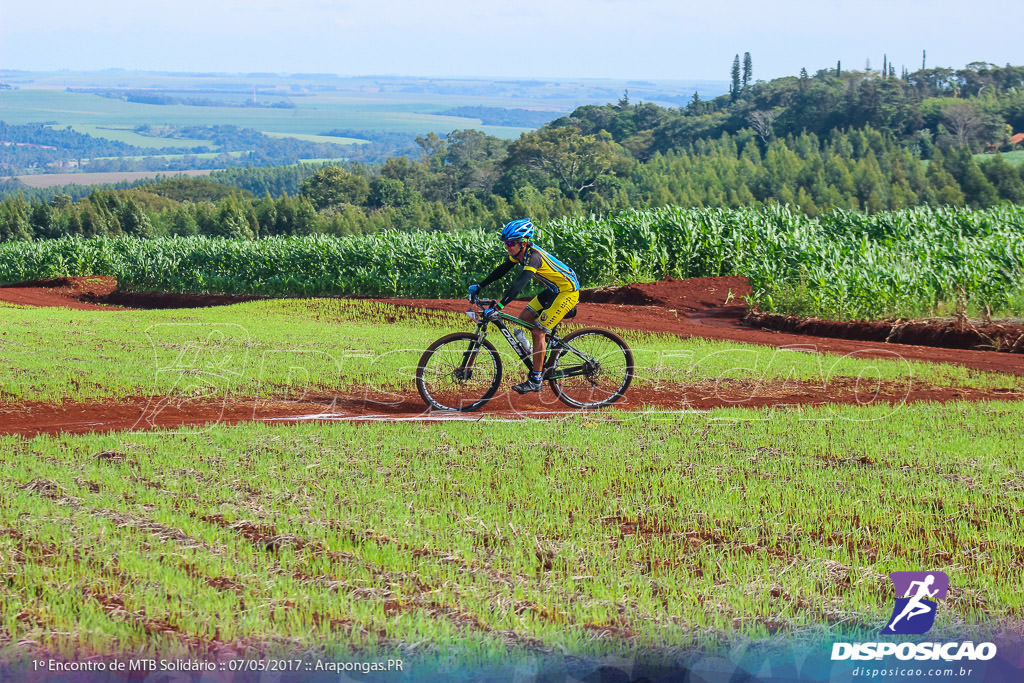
(465, 370)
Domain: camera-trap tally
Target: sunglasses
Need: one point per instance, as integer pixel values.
(509, 243)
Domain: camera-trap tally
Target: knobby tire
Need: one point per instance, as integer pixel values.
(443, 385)
(601, 387)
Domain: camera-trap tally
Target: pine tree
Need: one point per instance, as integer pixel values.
(43, 220)
(231, 221)
(74, 226)
(307, 222)
(134, 222)
(785, 196)
(806, 203)
(734, 88)
(978, 191)
(945, 187)
(14, 223)
(748, 70)
(180, 222)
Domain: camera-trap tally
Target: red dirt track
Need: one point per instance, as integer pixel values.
(711, 308)
(142, 413)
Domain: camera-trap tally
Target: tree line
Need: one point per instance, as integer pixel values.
(862, 170)
(838, 140)
(976, 107)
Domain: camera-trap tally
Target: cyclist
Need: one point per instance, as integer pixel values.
(562, 291)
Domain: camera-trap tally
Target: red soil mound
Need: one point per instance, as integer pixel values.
(151, 300)
(695, 294)
(101, 293)
(949, 334)
(82, 293)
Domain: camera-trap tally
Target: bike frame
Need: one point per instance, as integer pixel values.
(501, 320)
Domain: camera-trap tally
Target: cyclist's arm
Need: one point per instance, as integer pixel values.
(517, 286)
(498, 273)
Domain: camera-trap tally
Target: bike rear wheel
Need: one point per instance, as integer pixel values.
(595, 379)
(458, 373)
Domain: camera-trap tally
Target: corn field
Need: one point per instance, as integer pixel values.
(841, 265)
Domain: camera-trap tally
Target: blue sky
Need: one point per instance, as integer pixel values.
(653, 39)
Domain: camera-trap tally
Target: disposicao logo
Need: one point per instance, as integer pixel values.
(914, 614)
(916, 595)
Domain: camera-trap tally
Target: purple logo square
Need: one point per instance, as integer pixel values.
(916, 596)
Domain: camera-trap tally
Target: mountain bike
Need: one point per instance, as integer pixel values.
(588, 368)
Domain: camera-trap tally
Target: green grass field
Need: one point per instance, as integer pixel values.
(319, 138)
(600, 533)
(1014, 158)
(596, 533)
(100, 178)
(128, 135)
(253, 349)
(313, 115)
(201, 155)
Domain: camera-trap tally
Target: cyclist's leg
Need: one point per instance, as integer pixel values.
(529, 314)
(553, 313)
(548, 319)
(538, 304)
(537, 307)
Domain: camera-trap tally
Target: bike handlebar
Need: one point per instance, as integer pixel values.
(483, 303)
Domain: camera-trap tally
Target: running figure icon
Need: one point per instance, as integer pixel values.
(915, 607)
(916, 601)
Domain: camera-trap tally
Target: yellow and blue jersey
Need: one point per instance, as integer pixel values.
(548, 270)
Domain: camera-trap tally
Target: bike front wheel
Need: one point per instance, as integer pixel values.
(458, 373)
(591, 369)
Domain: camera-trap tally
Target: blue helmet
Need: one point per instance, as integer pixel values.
(521, 229)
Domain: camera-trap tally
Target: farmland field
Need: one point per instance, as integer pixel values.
(56, 179)
(614, 533)
(316, 115)
(342, 348)
(317, 138)
(262, 479)
(313, 104)
(844, 265)
(128, 135)
(594, 533)
(200, 155)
